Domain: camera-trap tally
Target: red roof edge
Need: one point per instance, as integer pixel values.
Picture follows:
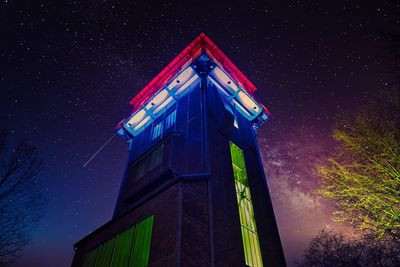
(216, 54)
(200, 44)
(193, 50)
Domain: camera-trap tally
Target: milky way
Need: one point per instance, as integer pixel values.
(68, 70)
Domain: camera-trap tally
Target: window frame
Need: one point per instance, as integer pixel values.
(250, 239)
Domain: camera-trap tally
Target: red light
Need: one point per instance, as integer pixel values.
(200, 44)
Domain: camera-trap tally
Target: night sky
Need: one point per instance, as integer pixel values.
(68, 71)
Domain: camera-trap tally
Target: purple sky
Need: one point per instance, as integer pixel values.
(68, 71)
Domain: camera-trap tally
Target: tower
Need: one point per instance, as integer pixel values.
(194, 191)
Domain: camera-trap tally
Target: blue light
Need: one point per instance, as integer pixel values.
(233, 96)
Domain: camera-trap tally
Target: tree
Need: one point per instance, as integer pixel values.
(329, 249)
(363, 175)
(21, 201)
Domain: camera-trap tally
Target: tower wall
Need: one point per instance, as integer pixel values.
(183, 175)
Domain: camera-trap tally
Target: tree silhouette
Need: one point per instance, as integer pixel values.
(21, 201)
(329, 249)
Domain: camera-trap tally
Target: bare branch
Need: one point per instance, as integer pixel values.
(21, 201)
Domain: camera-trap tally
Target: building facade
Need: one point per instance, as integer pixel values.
(194, 191)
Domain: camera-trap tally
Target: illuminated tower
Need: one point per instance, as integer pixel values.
(194, 191)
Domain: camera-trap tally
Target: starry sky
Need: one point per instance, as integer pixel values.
(69, 68)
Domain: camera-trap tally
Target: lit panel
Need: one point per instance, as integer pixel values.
(169, 101)
(123, 243)
(170, 119)
(182, 78)
(137, 117)
(155, 106)
(234, 95)
(144, 122)
(129, 248)
(249, 103)
(105, 254)
(241, 109)
(158, 99)
(140, 252)
(226, 81)
(157, 130)
(251, 245)
(188, 85)
(220, 88)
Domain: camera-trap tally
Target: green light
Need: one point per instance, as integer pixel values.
(251, 245)
(105, 253)
(129, 248)
(122, 249)
(142, 240)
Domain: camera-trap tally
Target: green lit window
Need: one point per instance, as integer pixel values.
(129, 248)
(251, 245)
(148, 163)
(122, 250)
(104, 254)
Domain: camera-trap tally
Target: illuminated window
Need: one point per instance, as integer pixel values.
(148, 163)
(129, 248)
(234, 95)
(157, 131)
(105, 253)
(170, 119)
(251, 244)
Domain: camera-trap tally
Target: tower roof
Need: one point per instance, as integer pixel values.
(201, 45)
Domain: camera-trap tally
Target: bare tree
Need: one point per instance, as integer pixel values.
(362, 176)
(21, 201)
(329, 249)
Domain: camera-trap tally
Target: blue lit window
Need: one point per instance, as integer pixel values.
(157, 131)
(170, 119)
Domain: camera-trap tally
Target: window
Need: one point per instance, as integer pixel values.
(104, 254)
(129, 248)
(251, 245)
(170, 119)
(157, 131)
(148, 163)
